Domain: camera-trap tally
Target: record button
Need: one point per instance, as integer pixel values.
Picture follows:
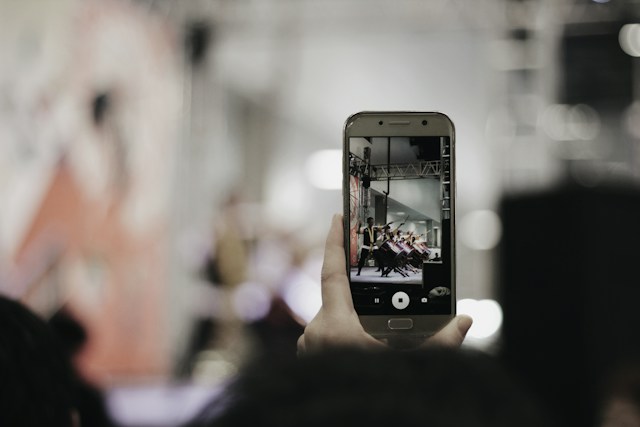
(400, 300)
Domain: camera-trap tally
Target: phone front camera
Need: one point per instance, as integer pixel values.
(380, 122)
(424, 123)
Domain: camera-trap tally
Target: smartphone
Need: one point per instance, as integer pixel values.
(399, 220)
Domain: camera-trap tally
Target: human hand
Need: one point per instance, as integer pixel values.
(337, 323)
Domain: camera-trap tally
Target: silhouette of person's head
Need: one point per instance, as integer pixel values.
(351, 387)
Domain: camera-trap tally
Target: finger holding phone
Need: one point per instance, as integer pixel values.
(336, 324)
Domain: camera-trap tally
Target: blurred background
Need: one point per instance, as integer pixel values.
(168, 169)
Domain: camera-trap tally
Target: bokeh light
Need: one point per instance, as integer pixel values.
(324, 169)
(480, 230)
(486, 315)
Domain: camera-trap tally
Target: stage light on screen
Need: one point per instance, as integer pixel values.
(486, 315)
(480, 230)
(324, 169)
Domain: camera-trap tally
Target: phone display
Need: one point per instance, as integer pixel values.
(399, 186)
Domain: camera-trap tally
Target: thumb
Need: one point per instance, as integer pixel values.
(453, 334)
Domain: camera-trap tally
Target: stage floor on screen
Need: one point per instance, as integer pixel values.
(370, 275)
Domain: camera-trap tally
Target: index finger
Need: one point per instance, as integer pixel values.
(336, 293)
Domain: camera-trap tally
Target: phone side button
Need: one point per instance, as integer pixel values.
(400, 324)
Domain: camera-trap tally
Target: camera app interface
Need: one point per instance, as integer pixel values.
(400, 219)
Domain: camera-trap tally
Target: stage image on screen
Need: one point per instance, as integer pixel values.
(399, 212)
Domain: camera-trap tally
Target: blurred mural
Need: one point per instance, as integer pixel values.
(90, 118)
(168, 169)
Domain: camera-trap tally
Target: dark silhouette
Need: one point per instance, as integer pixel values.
(354, 387)
(569, 319)
(36, 379)
(88, 399)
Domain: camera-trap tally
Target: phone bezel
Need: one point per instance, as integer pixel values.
(366, 124)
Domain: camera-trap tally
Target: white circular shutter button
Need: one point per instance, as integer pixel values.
(400, 300)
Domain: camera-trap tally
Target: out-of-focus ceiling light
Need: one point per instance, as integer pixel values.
(481, 230)
(570, 122)
(486, 315)
(629, 38)
(324, 169)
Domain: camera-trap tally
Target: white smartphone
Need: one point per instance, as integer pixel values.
(399, 220)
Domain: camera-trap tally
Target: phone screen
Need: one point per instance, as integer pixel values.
(399, 246)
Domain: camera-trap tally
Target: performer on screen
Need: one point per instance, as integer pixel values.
(370, 233)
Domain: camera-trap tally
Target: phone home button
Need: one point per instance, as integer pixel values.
(400, 324)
